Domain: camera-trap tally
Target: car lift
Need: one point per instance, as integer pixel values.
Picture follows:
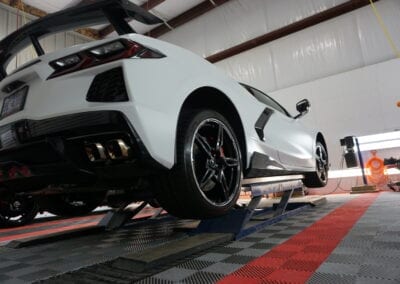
(241, 220)
(117, 218)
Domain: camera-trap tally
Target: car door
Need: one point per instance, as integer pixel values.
(293, 142)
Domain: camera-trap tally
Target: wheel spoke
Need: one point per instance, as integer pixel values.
(203, 143)
(220, 138)
(231, 162)
(207, 178)
(224, 184)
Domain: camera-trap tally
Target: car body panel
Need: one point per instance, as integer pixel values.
(157, 89)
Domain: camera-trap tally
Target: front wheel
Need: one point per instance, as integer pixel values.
(17, 210)
(319, 178)
(206, 179)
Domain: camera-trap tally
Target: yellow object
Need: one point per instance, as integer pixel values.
(385, 29)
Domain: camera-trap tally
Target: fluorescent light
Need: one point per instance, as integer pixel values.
(357, 173)
(379, 137)
(345, 173)
(380, 145)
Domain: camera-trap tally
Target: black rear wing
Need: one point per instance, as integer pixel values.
(92, 12)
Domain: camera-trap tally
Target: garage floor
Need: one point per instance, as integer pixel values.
(350, 239)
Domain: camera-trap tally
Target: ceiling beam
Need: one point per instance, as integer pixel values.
(185, 17)
(290, 29)
(20, 5)
(151, 4)
(148, 5)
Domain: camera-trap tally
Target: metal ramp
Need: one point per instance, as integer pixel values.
(240, 221)
(243, 221)
(118, 218)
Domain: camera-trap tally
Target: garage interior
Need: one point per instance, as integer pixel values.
(343, 57)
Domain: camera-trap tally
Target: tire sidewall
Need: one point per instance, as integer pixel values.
(186, 160)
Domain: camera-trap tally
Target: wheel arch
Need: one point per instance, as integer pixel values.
(212, 98)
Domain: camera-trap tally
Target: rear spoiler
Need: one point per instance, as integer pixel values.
(91, 12)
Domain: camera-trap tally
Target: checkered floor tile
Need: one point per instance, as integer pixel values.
(218, 262)
(370, 253)
(26, 265)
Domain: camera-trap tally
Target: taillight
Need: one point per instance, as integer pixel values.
(101, 54)
(65, 62)
(108, 49)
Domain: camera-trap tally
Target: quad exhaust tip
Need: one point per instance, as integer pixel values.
(95, 152)
(115, 149)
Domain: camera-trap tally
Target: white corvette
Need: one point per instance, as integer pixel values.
(139, 116)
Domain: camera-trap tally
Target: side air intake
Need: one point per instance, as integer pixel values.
(108, 86)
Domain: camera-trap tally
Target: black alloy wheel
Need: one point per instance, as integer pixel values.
(206, 180)
(215, 161)
(319, 178)
(17, 210)
(322, 163)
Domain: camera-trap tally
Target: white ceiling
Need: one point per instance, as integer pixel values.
(167, 10)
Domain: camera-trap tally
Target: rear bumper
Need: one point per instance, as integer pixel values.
(38, 153)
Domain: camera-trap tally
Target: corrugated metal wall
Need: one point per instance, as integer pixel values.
(347, 42)
(10, 20)
(342, 44)
(344, 66)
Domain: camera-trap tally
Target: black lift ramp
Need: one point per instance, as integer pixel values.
(243, 221)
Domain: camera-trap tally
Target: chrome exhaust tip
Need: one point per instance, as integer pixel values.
(117, 149)
(95, 152)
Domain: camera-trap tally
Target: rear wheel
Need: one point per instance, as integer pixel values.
(205, 182)
(17, 210)
(70, 205)
(319, 178)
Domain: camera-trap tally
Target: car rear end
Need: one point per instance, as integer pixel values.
(64, 118)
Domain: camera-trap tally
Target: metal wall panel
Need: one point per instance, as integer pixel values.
(10, 20)
(241, 20)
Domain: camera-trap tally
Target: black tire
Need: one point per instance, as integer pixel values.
(17, 211)
(206, 180)
(319, 178)
(71, 205)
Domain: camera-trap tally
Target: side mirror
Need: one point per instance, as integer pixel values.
(302, 107)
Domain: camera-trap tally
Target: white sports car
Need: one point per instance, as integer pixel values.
(139, 116)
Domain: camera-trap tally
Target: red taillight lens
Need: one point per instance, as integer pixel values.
(101, 54)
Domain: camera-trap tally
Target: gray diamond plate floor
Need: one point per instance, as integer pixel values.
(370, 253)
